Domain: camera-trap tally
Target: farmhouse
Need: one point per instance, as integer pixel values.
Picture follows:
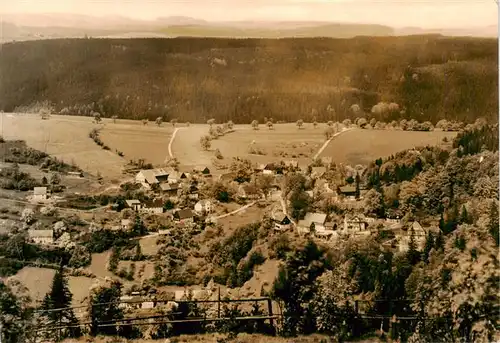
(184, 216)
(43, 237)
(312, 221)
(170, 189)
(355, 224)
(281, 221)
(266, 169)
(203, 206)
(149, 177)
(152, 207)
(348, 191)
(134, 204)
(40, 193)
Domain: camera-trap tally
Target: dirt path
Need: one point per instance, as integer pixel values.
(170, 143)
(233, 212)
(328, 142)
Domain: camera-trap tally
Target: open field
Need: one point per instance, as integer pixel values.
(137, 141)
(186, 147)
(284, 142)
(79, 287)
(66, 137)
(63, 137)
(37, 280)
(359, 146)
(99, 263)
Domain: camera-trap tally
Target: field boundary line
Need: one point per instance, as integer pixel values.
(328, 142)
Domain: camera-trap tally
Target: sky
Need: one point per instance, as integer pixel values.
(396, 13)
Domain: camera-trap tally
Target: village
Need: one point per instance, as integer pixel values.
(170, 199)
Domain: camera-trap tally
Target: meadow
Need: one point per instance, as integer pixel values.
(359, 146)
(67, 138)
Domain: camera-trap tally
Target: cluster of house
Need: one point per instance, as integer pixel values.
(154, 299)
(353, 226)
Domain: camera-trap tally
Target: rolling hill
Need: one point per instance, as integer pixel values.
(193, 79)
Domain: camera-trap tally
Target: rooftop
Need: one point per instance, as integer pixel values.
(41, 233)
(185, 214)
(315, 218)
(40, 190)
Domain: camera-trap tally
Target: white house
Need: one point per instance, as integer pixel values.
(134, 204)
(203, 206)
(355, 224)
(314, 221)
(419, 236)
(40, 194)
(41, 236)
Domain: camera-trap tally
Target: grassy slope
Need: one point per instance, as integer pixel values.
(284, 79)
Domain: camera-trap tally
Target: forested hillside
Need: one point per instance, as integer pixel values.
(195, 79)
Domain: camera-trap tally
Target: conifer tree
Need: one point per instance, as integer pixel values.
(429, 244)
(439, 242)
(358, 180)
(493, 225)
(60, 297)
(464, 216)
(413, 254)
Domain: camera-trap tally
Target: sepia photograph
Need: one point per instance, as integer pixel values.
(249, 171)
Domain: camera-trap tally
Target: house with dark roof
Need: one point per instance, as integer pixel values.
(281, 221)
(185, 216)
(203, 171)
(150, 177)
(152, 207)
(348, 191)
(170, 189)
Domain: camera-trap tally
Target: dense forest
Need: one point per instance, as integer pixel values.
(195, 79)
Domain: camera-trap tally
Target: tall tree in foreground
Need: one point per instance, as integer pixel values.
(14, 312)
(60, 297)
(103, 307)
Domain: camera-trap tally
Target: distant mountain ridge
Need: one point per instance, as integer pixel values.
(55, 25)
